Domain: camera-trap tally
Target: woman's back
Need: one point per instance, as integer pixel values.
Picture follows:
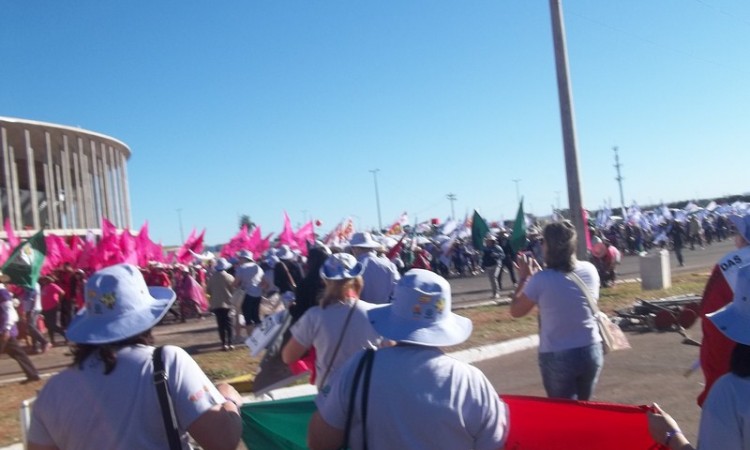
(322, 328)
(86, 409)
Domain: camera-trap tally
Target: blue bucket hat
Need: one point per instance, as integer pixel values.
(420, 312)
(341, 266)
(119, 305)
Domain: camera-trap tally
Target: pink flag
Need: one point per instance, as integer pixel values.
(194, 243)
(128, 248)
(305, 234)
(287, 234)
(235, 244)
(108, 250)
(87, 258)
(13, 240)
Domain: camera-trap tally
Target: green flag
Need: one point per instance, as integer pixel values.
(518, 236)
(277, 424)
(25, 262)
(479, 230)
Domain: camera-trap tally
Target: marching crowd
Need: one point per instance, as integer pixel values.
(360, 320)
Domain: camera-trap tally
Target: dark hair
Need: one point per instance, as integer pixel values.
(107, 353)
(739, 364)
(560, 238)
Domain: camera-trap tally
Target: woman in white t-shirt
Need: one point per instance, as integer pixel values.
(570, 349)
(108, 397)
(338, 327)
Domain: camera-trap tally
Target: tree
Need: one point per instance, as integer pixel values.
(245, 221)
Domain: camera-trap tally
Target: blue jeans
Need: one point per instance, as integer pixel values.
(572, 373)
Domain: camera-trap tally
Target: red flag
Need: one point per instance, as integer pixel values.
(396, 249)
(576, 424)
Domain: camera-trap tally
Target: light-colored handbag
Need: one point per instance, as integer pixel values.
(612, 336)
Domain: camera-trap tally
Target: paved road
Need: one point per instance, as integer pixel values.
(477, 288)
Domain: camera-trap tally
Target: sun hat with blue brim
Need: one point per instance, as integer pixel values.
(420, 312)
(245, 254)
(222, 264)
(118, 305)
(733, 320)
(341, 266)
(364, 240)
(742, 223)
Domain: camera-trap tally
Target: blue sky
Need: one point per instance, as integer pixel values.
(258, 107)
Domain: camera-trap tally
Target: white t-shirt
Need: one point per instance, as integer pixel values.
(85, 409)
(419, 398)
(567, 320)
(322, 328)
(250, 276)
(725, 419)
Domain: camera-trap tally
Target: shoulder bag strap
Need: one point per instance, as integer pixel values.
(366, 394)
(572, 276)
(338, 344)
(367, 355)
(165, 401)
(288, 275)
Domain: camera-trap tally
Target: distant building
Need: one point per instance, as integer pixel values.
(61, 178)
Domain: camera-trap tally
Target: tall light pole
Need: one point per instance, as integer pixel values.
(179, 218)
(377, 196)
(452, 198)
(619, 179)
(565, 94)
(518, 193)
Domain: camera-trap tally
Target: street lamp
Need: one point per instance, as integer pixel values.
(179, 218)
(377, 196)
(452, 198)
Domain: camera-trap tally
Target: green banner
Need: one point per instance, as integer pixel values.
(277, 424)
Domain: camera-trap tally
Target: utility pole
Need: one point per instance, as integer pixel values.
(452, 198)
(568, 127)
(619, 181)
(377, 197)
(518, 194)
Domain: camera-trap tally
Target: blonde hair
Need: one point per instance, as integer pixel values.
(336, 290)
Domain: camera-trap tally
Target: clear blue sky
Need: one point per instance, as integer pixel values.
(258, 107)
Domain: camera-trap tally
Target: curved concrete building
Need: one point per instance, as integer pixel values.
(61, 178)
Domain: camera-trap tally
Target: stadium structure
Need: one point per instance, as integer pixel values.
(61, 178)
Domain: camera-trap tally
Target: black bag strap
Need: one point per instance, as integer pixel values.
(366, 395)
(165, 401)
(365, 360)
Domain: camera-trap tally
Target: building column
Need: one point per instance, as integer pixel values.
(98, 209)
(125, 188)
(31, 166)
(6, 172)
(67, 185)
(16, 191)
(107, 185)
(52, 192)
(78, 186)
(116, 184)
(59, 206)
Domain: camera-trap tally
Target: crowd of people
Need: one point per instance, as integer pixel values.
(344, 305)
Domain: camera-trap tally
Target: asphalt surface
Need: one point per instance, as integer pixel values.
(652, 371)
